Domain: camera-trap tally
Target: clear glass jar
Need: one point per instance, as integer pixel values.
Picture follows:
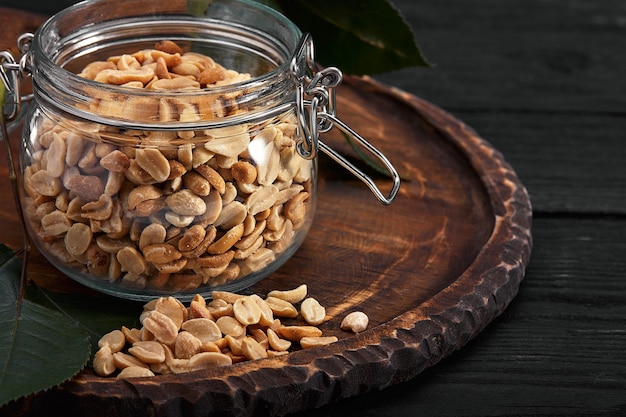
(142, 192)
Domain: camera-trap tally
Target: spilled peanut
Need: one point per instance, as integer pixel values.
(228, 329)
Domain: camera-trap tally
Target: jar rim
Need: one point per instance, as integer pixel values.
(48, 49)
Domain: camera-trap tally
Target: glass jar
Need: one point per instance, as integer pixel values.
(139, 178)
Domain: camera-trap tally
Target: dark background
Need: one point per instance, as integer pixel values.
(544, 83)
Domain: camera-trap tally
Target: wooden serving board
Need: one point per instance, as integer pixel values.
(431, 271)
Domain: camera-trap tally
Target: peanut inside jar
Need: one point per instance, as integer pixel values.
(166, 210)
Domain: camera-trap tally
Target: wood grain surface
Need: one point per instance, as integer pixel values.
(431, 271)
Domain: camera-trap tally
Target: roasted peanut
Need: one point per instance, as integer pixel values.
(247, 311)
(215, 261)
(114, 340)
(251, 238)
(245, 330)
(178, 220)
(229, 297)
(169, 209)
(250, 248)
(186, 345)
(308, 342)
(228, 141)
(258, 260)
(267, 171)
(115, 161)
(100, 209)
(153, 234)
(119, 77)
(214, 178)
(262, 199)
(198, 310)
(186, 203)
(232, 214)
(192, 238)
(97, 261)
(93, 68)
(227, 241)
(135, 372)
(56, 155)
(44, 183)
(171, 267)
(282, 308)
(244, 171)
(219, 308)
(168, 47)
(356, 322)
(114, 183)
(123, 360)
(231, 326)
(142, 193)
(132, 335)
(211, 75)
(206, 330)
(252, 349)
(312, 311)
(78, 238)
(202, 247)
(173, 309)
(295, 209)
(206, 360)
(295, 333)
(161, 326)
(160, 253)
(103, 362)
(276, 342)
(197, 183)
(154, 163)
(148, 351)
(267, 315)
(55, 223)
(178, 83)
(131, 260)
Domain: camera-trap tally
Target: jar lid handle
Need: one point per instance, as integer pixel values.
(316, 113)
(10, 96)
(11, 72)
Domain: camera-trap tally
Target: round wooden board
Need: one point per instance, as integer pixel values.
(431, 271)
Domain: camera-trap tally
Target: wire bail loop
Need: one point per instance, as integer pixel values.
(316, 113)
(11, 72)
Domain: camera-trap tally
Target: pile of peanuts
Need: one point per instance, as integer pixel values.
(230, 328)
(166, 210)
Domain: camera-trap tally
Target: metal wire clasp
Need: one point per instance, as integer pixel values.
(10, 75)
(316, 113)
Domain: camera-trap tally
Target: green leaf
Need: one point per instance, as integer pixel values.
(357, 36)
(96, 314)
(39, 348)
(10, 271)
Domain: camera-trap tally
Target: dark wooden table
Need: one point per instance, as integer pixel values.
(543, 81)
